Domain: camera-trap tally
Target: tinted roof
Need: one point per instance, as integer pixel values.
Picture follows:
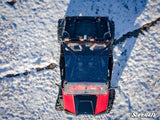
(86, 63)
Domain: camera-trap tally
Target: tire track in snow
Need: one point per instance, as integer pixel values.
(50, 66)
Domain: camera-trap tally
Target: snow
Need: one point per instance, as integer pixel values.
(28, 39)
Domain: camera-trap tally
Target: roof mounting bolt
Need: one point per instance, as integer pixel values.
(85, 37)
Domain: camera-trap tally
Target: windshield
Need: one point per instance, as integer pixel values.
(85, 88)
(86, 62)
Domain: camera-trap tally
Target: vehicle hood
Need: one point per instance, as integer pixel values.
(85, 104)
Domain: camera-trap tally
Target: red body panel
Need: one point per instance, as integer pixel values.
(69, 103)
(101, 104)
(77, 87)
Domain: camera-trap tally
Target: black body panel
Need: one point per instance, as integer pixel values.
(85, 104)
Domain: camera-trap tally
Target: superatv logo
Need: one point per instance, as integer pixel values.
(143, 115)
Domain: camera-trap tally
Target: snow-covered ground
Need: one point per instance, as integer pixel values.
(28, 40)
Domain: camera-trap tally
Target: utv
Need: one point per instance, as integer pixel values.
(85, 65)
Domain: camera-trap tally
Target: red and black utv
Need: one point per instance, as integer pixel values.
(85, 65)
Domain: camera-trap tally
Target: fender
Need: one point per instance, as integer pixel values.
(69, 103)
(102, 102)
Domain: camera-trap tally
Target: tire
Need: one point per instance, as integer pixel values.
(62, 64)
(112, 28)
(59, 102)
(60, 29)
(110, 65)
(111, 100)
(58, 106)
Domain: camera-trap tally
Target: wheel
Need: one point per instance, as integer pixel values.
(60, 28)
(58, 106)
(59, 102)
(111, 100)
(62, 64)
(112, 28)
(110, 65)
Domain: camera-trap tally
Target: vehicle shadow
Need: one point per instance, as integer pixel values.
(124, 15)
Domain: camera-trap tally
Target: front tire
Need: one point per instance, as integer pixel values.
(58, 105)
(111, 100)
(59, 102)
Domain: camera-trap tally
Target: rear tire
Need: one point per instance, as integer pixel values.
(62, 64)
(110, 65)
(112, 28)
(60, 29)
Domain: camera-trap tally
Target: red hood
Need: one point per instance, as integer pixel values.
(100, 104)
